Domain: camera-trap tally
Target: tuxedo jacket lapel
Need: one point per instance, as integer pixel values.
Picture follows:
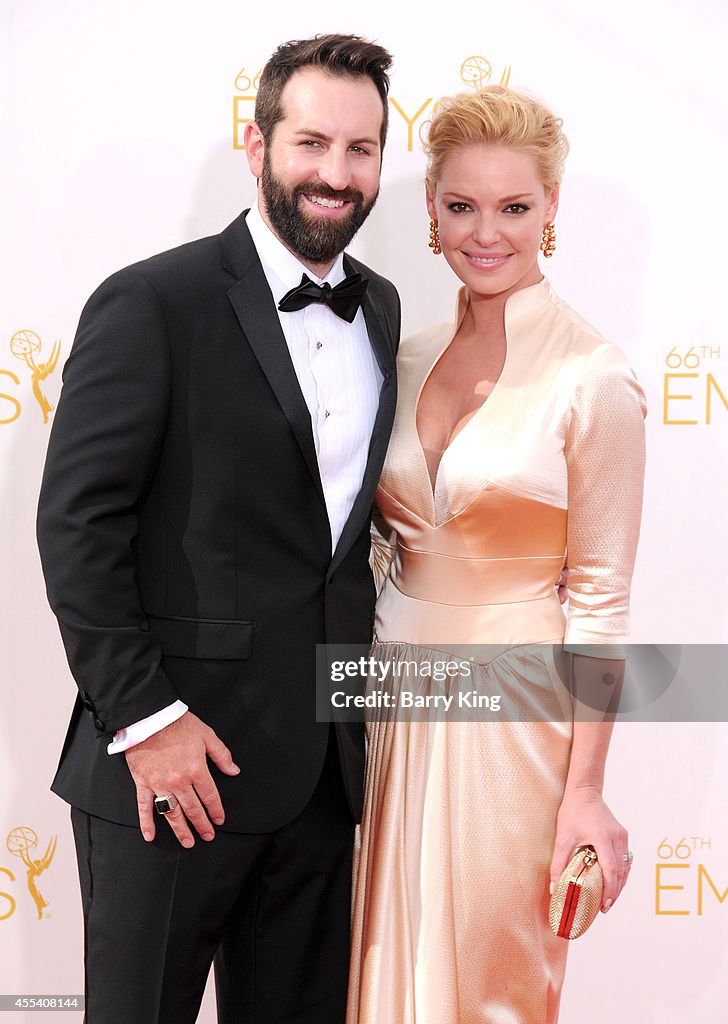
(380, 342)
(255, 309)
(385, 355)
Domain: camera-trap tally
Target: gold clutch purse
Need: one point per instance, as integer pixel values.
(577, 897)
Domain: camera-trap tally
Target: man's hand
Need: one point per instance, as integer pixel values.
(174, 762)
(562, 585)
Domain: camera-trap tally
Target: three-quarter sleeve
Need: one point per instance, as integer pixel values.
(605, 455)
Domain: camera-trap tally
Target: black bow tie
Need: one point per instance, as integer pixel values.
(344, 299)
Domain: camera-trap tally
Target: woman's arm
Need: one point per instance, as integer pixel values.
(605, 459)
(583, 817)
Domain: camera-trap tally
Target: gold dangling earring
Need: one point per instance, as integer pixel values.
(434, 242)
(548, 240)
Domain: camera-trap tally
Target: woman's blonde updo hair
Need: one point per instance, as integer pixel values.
(497, 116)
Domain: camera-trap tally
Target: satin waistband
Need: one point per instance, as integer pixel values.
(448, 580)
(404, 619)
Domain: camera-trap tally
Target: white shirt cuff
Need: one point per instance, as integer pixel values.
(140, 731)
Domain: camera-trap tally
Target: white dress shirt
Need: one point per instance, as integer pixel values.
(340, 381)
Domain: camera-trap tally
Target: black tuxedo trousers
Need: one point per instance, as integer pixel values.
(273, 909)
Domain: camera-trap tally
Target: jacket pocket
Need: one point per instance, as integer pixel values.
(207, 639)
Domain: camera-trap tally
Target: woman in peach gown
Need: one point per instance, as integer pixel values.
(518, 444)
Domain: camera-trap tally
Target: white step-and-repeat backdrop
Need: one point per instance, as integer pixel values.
(122, 130)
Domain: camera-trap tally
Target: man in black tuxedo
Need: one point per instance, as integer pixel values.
(203, 524)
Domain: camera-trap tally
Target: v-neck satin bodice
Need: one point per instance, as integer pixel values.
(533, 472)
(430, 453)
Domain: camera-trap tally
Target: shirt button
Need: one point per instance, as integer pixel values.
(326, 414)
(319, 344)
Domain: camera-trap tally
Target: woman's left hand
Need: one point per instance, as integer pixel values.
(583, 819)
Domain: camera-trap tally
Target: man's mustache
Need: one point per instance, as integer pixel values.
(318, 188)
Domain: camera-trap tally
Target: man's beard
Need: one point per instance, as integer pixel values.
(314, 239)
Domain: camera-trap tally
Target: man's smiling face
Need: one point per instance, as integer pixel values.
(319, 173)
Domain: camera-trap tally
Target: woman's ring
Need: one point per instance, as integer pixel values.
(628, 857)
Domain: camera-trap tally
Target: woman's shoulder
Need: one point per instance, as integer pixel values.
(439, 333)
(417, 351)
(432, 333)
(600, 374)
(582, 339)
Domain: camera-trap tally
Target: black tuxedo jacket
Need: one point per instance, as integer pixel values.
(184, 534)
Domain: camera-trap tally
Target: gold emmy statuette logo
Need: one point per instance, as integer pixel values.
(20, 842)
(476, 72)
(24, 345)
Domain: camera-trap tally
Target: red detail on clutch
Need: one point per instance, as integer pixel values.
(570, 904)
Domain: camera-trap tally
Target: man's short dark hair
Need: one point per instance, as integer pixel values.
(345, 55)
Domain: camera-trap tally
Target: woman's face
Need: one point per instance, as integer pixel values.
(491, 208)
